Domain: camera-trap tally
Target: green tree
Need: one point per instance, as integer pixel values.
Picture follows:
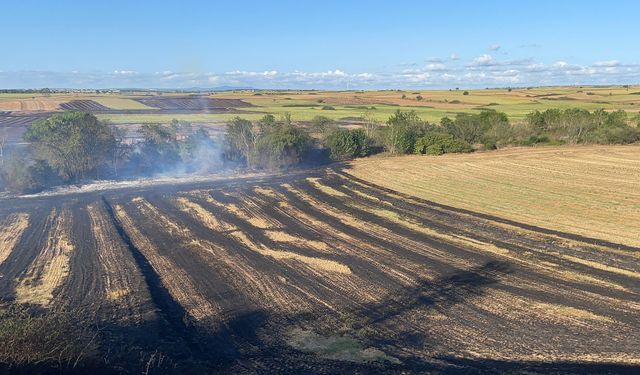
(438, 143)
(73, 143)
(322, 125)
(241, 138)
(21, 174)
(346, 144)
(403, 129)
(466, 127)
(496, 129)
(267, 123)
(159, 149)
(283, 147)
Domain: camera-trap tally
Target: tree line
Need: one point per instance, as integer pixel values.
(73, 147)
(405, 133)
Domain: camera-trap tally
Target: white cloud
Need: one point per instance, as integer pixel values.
(454, 57)
(482, 71)
(435, 67)
(483, 60)
(494, 47)
(243, 73)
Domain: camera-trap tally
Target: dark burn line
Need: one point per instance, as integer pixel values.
(410, 233)
(429, 204)
(168, 308)
(474, 227)
(212, 349)
(404, 210)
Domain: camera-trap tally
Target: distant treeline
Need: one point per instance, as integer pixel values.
(268, 143)
(58, 91)
(405, 133)
(75, 147)
(26, 91)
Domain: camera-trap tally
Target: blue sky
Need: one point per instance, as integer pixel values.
(323, 44)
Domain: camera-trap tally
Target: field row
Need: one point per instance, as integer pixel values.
(586, 190)
(260, 271)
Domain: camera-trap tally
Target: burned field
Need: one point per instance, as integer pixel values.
(84, 105)
(194, 103)
(13, 125)
(319, 272)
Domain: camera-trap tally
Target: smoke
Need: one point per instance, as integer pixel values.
(184, 153)
(204, 156)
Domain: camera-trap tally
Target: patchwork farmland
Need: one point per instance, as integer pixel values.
(320, 271)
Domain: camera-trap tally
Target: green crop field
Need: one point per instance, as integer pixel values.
(430, 105)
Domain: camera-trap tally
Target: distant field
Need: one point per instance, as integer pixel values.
(346, 105)
(435, 104)
(587, 190)
(120, 103)
(164, 118)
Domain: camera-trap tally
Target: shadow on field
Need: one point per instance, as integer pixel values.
(258, 342)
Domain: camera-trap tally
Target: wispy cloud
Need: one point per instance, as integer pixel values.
(608, 63)
(482, 71)
(486, 60)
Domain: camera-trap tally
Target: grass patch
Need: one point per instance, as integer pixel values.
(340, 348)
(54, 339)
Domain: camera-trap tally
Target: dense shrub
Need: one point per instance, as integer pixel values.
(281, 148)
(21, 175)
(490, 144)
(328, 108)
(534, 140)
(438, 143)
(575, 125)
(74, 144)
(399, 137)
(322, 125)
(346, 144)
(159, 149)
(488, 127)
(497, 130)
(241, 137)
(613, 135)
(466, 127)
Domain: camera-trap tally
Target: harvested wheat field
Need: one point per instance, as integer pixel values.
(585, 190)
(28, 105)
(331, 271)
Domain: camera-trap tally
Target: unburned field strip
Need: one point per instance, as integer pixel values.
(583, 190)
(12, 229)
(51, 267)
